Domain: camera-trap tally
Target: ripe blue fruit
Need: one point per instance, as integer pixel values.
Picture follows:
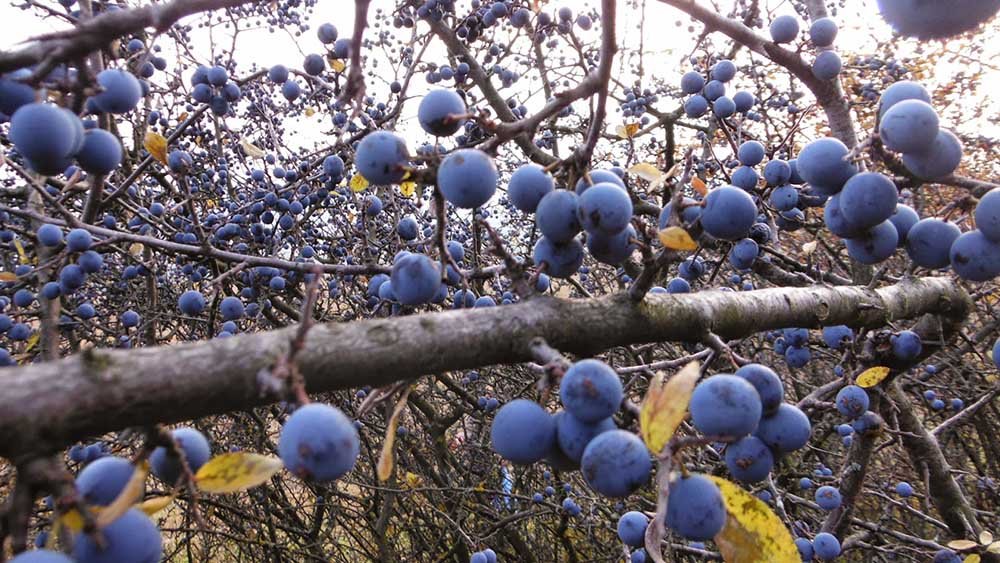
(784, 198)
(319, 442)
(41, 556)
(695, 106)
(528, 185)
(904, 489)
(946, 556)
(825, 165)
(78, 240)
(987, 215)
(939, 160)
(573, 434)
(695, 508)
(900, 91)
(929, 242)
(874, 245)
(904, 218)
(632, 528)
(557, 216)
(827, 65)
(906, 345)
(852, 401)
(168, 468)
(46, 136)
(101, 152)
(724, 70)
(604, 208)
(49, 235)
(231, 308)
(102, 480)
(121, 91)
(867, 199)
(71, 278)
(562, 259)
(591, 390)
(327, 33)
(826, 546)
(381, 157)
(725, 405)
(13, 92)
(439, 112)
(746, 178)
(407, 228)
(784, 29)
(827, 497)
(805, 548)
(692, 82)
(179, 162)
(130, 537)
(467, 178)
(690, 211)
(788, 429)
(616, 463)
(909, 126)
(744, 101)
(415, 279)
(767, 383)
(750, 153)
(612, 249)
(743, 254)
(723, 107)
(130, 319)
(777, 172)
(975, 257)
(523, 432)
(823, 32)
(749, 459)
(191, 302)
(837, 336)
(729, 213)
(930, 19)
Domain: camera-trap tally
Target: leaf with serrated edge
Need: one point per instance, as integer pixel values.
(752, 533)
(665, 406)
(676, 238)
(386, 461)
(872, 376)
(237, 471)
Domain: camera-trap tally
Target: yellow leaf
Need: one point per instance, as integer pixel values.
(962, 545)
(665, 406)
(627, 130)
(237, 471)
(994, 547)
(974, 558)
(699, 185)
(646, 171)
(127, 498)
(752, 534)
(358, 183)
(72, 520)
(310, 111)
(385, 459)
(985, 537)
(20, 251)
(182, 117)
(413, 480)
(156, 504)
(872, 376)
(250, 149)
(337, 65)
(676, 238)
(408, 189)
(33, 341)
(156, 144)
(8, 277)
(135, 249)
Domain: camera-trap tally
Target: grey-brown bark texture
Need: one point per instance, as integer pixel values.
(50, 405)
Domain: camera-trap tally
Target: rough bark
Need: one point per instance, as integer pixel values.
(47, 406)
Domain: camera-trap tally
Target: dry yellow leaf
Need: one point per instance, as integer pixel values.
(8, 277)
(237, 471)
(872, 376)
(386, 461)
(127, 498)
(337, 65)
(408, 189)
(627, 131)
(156, 144)
(646, 171)
(699, 185)
(665, 406)
(753, 533)
(358, 183)
(250, 149)
(676, 238)
(156, 504)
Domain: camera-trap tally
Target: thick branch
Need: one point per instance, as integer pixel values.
(51, 405)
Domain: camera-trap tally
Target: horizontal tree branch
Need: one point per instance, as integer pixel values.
(50, 405)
